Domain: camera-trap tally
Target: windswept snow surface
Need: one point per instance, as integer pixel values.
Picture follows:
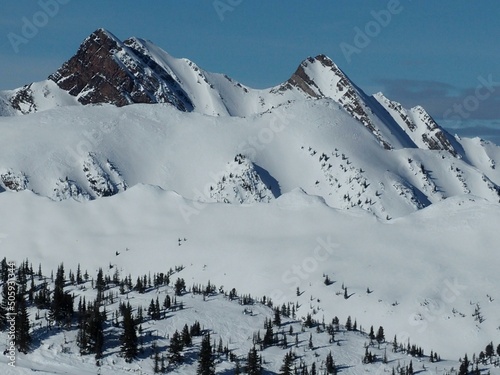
(427, 272)
(94, 151)
(270, 191)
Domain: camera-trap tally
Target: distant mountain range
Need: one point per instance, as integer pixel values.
(351, 149)
(312, 193)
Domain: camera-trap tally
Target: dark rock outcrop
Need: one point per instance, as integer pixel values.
(105, 70)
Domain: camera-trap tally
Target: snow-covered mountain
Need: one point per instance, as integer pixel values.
(129, 158)
(339, 143)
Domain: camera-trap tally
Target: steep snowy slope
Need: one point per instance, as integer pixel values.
(107, 70)
(420, 126)
(90, 152)
(131, 159)
(35, 97)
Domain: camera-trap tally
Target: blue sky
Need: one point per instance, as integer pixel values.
(444, 55)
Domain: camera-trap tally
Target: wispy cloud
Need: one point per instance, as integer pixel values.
(438, 98)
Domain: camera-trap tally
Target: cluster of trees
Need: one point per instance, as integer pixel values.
(91, 320)
(412, 349)
(380, 337)
(289, 368)
(489, 354)
(404, 370)
(90, 338)
(14, 302)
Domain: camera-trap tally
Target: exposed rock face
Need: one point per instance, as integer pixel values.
(419, 125)
(14, 181)
(319, 77)
(103, 179)
(434, 136)
(241, 184)
(105, 70)
(23, 100)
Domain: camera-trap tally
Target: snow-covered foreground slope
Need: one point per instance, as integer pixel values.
(230, 323)
(427, 273)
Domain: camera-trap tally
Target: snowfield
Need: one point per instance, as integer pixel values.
(426, 272)
(310, 193)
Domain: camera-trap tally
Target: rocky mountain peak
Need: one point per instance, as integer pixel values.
(420, 126)
(105, 70)
(320, 77)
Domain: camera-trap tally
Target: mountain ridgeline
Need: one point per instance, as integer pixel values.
(317, 131)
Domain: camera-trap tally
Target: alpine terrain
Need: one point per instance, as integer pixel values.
(160, 218)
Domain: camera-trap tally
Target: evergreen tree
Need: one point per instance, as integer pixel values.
(330, 364)
(154, 311)
(167, 302)
(139, 286)
(157, 309)
(237, 369)
(489, 351)
(23, 337)
(90, 338)
(176, 346)
(348, 324)
(4, 272)
(180, 286)
(371, 334)
(62, 303)
(100, 285)
(4, 306)
(269, 335)
(195, 329)
(369, 357)
(380, 335)
(220, 347)
(464, 366)
(309, 323)
(79, 278)
(254, 366)
(186, 336)
(286, 367)
(277, 317)
(129, 337)
(206, 364)
(156, 368)
(285, 341)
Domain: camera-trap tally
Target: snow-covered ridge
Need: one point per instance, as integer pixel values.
(318, 132)
(241, 183)
(420, 126)
(107, 70)
(84, 152)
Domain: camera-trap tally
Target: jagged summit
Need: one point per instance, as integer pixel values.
(106, 70)
(317, 131)
(420, 126)
(320, 77)
(309, 70)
